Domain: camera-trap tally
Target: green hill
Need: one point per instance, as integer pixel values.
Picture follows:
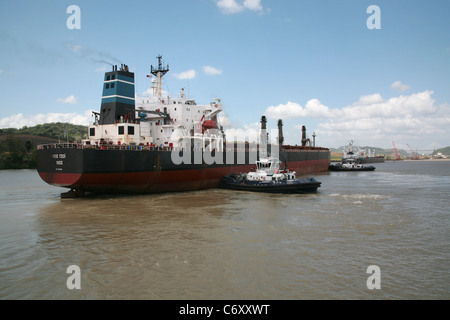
(56, 130)
(18, 146)
(445, 151)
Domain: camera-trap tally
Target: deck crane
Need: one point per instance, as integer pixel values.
(396, 153)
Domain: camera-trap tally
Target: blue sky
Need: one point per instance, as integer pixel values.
(313, 63)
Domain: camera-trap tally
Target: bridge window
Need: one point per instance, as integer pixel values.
(121, 130)
(131, 130)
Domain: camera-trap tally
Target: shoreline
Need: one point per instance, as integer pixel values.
(409, 160)
(422, 160)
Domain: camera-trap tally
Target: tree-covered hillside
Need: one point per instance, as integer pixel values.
(57, 130)
(445, 151)
(18, 146)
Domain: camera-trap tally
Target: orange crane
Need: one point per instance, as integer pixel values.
(396, 153)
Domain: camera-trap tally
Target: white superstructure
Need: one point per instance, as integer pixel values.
(159, 120)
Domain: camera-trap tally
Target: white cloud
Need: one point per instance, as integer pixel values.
(1, 71)
(249, 133)
(372, 119)
(313, 109)
(189, 74)
(70, 99)
(369, 99)
(229, 6)
(224, 120)
(211, 70)
(282, 111)
(254, 5)
(19, 120)
(399, 86)
(235, 6)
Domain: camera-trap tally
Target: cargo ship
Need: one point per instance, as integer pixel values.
(359, 156)
(160, 143)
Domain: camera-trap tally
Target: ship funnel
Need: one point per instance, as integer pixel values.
(263, 123)
(305, 140)
(280, 133)
(303, 136)
(263, 139)
(118, 96)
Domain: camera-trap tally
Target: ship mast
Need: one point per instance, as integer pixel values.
(159, 73)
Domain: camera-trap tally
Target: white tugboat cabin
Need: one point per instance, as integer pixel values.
(268, 169)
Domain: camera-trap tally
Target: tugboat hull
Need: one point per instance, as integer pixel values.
(303, 185)
(342, 168)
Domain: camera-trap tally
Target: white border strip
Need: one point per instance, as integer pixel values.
(117, 96)
(107, 81)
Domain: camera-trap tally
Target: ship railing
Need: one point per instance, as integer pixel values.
(102, 147)
(111, 147)
(60, 146)
(158, 148)
(289, 148)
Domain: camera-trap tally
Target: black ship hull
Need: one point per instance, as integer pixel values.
(152, 170)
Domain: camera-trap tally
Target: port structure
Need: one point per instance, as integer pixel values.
(415, 155)
(396, 153)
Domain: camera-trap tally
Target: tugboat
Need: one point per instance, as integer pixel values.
(350, 165)
(269, 178)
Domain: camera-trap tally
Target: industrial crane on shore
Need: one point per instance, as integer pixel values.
(415, 155)
(396, 153)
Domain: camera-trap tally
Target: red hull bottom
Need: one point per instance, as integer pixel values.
(162, 181)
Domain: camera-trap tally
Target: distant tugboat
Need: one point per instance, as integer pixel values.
(269, 178)
(350, 165)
